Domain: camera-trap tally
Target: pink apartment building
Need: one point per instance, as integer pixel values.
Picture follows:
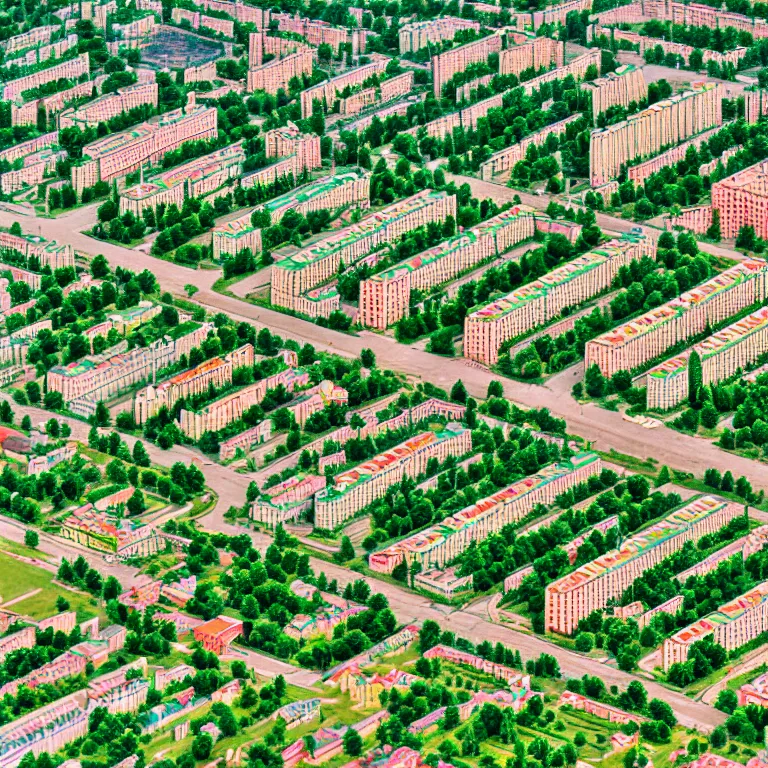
(354, 489)
(385, 297)
(664, 123)
(535, 304)
(261, 44)
(302, 272)
(197, 178)
(393, 88)
(420, 34)
(36, 36)
(277, 74)
(195, 381)
(445, 65)
(742, 200)
(755, 103)
(327, 91)
(590, 587)
(35, 168)
(71, 69)
(120, 153)
(317, 32)
(238, 10)
(197, 20)
(623, 86)
(439, 544)
(218, 414)
(287, 500)
(537, 53)
(283, 142)
(48, 252)
(43, 53)
(26, 113)
(506, 159)
(344, 189)
(111, 105)
(640, 172)
(629, 345)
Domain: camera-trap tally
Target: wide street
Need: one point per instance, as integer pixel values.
(604, 428)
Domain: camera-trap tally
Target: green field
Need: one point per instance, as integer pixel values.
(18, 578)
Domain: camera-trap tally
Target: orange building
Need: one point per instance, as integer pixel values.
(217, 635)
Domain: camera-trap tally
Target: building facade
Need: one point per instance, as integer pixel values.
(624, 86)
(590, 587)
(71, 69)
(275, 75)
(742, 200)
(445, 65)
(106, 107)
(420, 34)
(441, 543)
(629, 345)
(662, 124)
(354, 489)
(541, 52)
(535, 304)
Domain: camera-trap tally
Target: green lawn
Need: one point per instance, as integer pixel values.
(17, 578)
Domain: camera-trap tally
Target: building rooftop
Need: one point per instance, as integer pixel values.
(315, 189)
(708, 290)
(428, 539)
(636, 545)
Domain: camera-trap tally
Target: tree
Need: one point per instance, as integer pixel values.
(252, 492)
(31, 538)
(136, 504)
(353, 743)
(660, 710)
(346, 551)
(664, 476)
(747, 239)
(585, 642)
(695, 378)
(594, 382)
(459, 392)
(727, 701)
(32, 389)
(367, 358)
(451, 718)
(202, 746)
(101, 417)
(191, 289)
(495, 389)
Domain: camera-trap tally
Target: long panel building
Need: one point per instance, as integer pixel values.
(354, 489)
(487, 328)
(445, 65)
(420, 34)
(386, 296)
(631, 344)
(590, 587)
(438, 544)
(662, 124)
(293, 277)
(538, 53)
(623, 86)
(742, 200)
(732, 625)
(722, 354)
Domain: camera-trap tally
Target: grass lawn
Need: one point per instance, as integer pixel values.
(18, 578)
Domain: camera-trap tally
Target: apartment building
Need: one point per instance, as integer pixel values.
(506, 159)
(199, 178)
(37, 166)
(97, 378)
(354, 489)
(706, 169)
(591, 586)
(734, 624)
(385, 297)
(287, 500)
(722, 354)
(49, 253)
(541, 52)
(43, 53)
(318, 32)
(555, 14)
(33, 38)
(223, 411)
(439, 544)
(71, 69)
(197, 20)
(277, 74)
(662, 124)
(420, 34)
(120, 153)
(624, 86)
(640, 172)
(538, 302)
(393, 88)
(630, 344)
(111, 105)
(327, 92)
(755, 103)
(238, 10)
(261, 44)
(284, 142)
(445, 65)
(742, 200)
(26, 112)
(216, 372)
(300, 273)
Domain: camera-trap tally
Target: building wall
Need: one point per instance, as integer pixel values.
(532, 305)
(326, 92)
(632, 343)
(722, 354)
(742, 200)
(697, 219)
(49, 252)
(590, 587)
(506, 159)
(623, 86)
(120, 153)
(297, 275)
(70, 69)
(445, 65)
(645, 133)
(371, 480)
(43, 53)
(539, 52)
(111, 105)
(420, 34)
(35, 36)
(276, 74)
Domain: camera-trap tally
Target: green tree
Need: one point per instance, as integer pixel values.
(32, 389)
(367, 358)
(140, 455)
(136, 504)
(594, 382)
(459, 392)
(31, 538)
(695, 378)
(346, 551)
(353, 743)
